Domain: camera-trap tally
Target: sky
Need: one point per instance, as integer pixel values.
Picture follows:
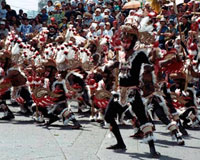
(23, 4)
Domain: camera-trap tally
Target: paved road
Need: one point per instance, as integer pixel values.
(21, 139)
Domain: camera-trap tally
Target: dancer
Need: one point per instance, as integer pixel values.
(129, 88)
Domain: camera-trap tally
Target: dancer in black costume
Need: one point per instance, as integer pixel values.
(129, 82)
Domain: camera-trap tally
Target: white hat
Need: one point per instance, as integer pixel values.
(98, 10)
(108, 23)
(162, 20)
(102, 24)
(107, 10)
(79, 17)
(57, 3)
(147, 3)
(2, 22)
(131, 11)
(90, 2)
(94, 25)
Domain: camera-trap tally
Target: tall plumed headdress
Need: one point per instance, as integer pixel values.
(156, 4)
(142, 28)
(130, 26)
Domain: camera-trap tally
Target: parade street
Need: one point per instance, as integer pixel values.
(68, 66)
(22, 139)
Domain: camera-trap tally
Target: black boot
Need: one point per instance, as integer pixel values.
(120, 143)
(180, 141)
(185, 124)
(138, 135)
(52, 119)
(8, 116)
(77, 125)
(25, 112)
(117, 147)
(153, 152)
(182, 129)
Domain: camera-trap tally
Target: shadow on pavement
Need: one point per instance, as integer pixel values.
(171, 143)
(166, 142)
(122, 126)
(163, 133)
(23, 122)
(61, 127)
(82, 121)
(146, 155)
(190, 137)
(190, 147)
(194, 129)
(5, 121)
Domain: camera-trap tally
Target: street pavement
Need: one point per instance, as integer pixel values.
(22, 139)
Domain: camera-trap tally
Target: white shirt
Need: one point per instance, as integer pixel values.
(100, 32)
(50, 9)
(97, 18)
(108, 33)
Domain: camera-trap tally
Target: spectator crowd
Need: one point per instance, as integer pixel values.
(102, 17)
(79, 50)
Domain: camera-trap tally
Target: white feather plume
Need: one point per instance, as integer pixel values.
(144, 26)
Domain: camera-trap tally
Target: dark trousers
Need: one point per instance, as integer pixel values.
(112, 110)
(3, 99)
(115, 108)
(160, 111)
(184, 115)
(25, 94)
(139, 109)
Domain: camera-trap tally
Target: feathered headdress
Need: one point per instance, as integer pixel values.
(130, 26)
(142, 29)
(156, 4)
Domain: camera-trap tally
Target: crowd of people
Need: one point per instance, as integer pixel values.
(119, 63)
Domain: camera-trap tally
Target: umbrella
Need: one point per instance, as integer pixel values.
(132, 5)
